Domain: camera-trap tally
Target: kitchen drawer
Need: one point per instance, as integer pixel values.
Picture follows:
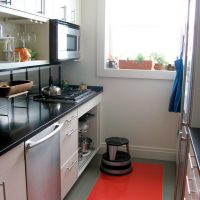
(69, 174)
(89, 105)
(69, 145)
(69, 117)
(192, 177)
(68, 137)
(191, 190)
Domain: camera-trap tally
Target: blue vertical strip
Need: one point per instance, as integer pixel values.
(175, 99)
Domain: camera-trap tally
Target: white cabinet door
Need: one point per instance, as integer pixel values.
(59, 10)
(12, 175)
(67, 10)
(78, 12)
(42, 8)
(48, 8)
(15, 4)
(75, 11)
(35, 6)
(39, 7)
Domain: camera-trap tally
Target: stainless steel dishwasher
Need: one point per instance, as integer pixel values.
(43, 164)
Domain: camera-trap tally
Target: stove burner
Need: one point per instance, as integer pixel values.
(71, 95)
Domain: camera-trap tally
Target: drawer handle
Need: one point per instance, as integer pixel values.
(72, 131)
(69, 120)
(192, 166)
(4, 190)
(70, 167)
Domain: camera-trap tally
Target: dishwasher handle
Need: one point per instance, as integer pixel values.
(33, 144)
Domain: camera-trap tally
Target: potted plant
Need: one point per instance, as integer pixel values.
(138, 63)
(112, 62)
(143, 63)
(159, 61)
(126, 63)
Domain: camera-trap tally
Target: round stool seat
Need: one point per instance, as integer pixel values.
(116, 141)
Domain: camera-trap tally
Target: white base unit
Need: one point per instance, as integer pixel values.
(69, 174)
(72, 164)
(12, 175)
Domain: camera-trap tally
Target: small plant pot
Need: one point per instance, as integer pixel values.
(132, 64)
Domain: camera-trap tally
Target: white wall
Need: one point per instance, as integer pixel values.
(132, 108)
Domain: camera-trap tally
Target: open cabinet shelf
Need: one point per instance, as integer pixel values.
(89, 118)
(27, 34)
(82, 164)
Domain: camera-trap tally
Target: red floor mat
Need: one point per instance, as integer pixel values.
(143, 183)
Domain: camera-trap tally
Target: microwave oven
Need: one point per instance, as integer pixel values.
(64, 41)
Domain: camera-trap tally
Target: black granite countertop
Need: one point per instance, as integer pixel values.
(27, 118)
(195, 138)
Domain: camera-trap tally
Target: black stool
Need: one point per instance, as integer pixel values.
(116, 162)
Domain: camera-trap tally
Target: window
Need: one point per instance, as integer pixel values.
(139, 30)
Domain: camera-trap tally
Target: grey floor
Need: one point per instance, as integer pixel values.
(86, 181)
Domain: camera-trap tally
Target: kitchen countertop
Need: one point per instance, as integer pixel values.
(195, 138)
(27, 118)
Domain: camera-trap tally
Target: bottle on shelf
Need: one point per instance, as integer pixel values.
(8, 52)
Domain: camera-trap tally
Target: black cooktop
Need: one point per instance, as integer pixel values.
(72, 95)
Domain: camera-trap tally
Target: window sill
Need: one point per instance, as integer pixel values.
(139, 74)
(102, 51)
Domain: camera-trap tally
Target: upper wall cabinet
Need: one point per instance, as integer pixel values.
(24, 26)
(15, 4)
(23, 43)
(39, 7)
(30, 9)
(67, 10)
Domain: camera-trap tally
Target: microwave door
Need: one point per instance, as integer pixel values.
(73, 43)
(68, 43)
(64, 41)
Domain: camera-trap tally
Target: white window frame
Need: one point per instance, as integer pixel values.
(101, 54)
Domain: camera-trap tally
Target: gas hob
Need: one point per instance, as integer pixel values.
(71, 95)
